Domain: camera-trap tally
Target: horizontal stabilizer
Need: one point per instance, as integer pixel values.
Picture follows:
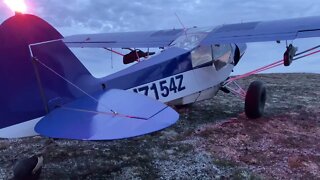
(116, 114)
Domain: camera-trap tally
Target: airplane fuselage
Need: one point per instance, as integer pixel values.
(191, 76)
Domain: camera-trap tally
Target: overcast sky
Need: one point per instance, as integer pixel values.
(90, 16)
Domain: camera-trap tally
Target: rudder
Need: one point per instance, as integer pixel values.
(27, 87)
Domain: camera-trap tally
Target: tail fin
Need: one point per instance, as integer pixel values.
(27, 87)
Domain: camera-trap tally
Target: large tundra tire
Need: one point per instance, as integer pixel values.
(255, 100)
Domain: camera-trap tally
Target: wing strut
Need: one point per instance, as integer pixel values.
(303, 54)
(113, 51)
(230, 85)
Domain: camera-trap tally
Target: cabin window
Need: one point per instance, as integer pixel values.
(221, 55)
(191, 38)
(201, 55)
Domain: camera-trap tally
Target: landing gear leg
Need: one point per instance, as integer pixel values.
(255, 97)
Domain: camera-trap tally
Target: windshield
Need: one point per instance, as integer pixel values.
(191, 38)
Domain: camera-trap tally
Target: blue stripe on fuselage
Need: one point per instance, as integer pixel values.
(170, 62)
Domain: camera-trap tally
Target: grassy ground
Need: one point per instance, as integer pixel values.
(212, 140)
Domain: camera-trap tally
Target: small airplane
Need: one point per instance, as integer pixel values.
(42, 78)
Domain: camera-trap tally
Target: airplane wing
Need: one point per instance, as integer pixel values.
(265, 31)
(85, 119)
(146, 39)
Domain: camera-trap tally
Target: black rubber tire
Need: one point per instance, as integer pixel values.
(255, 100)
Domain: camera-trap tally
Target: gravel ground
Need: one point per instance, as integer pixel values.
(212, 140)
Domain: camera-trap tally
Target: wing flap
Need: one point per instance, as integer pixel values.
(265, 31)
(146, 39)
(88, 120)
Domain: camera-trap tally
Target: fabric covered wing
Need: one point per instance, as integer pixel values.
(147, 39)
(86, 119)
(265, 31)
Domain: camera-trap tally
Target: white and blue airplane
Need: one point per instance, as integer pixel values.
(42, 79)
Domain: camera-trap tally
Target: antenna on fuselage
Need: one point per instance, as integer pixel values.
(111, 59)
(184, 28)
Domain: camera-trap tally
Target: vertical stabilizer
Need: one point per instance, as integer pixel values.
(27, 87)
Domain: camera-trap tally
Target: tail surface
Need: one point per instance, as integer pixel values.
(30, 86)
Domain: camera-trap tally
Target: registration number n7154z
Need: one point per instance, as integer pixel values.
(163, 88)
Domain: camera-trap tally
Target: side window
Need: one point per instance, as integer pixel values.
(201, 55)
(221, 55)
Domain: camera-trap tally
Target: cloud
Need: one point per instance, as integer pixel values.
(87, 16)
(122, 15)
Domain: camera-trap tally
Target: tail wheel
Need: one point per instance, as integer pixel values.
(255, 100)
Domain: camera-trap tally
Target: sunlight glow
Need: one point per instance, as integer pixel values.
(16, 5)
